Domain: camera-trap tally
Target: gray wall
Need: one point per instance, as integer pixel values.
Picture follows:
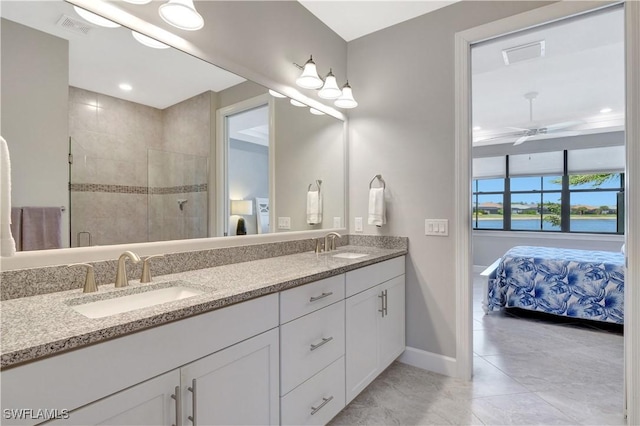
(35, 65)
(308, 148)
(403, 78)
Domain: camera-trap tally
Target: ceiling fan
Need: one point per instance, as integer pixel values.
(523, 134)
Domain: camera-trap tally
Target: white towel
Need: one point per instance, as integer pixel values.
(377, 214)
(314, 207)
(7, 243)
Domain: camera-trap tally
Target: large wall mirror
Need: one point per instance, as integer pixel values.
(139, 144)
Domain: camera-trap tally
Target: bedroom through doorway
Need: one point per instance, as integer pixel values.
(548, 148)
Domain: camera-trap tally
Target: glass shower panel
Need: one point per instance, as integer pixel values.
(178, 196)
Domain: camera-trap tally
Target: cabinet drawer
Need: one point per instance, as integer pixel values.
(309, 344)
(316, 401)
(302, 300)
(369, 276)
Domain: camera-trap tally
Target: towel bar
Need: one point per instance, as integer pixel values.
(379, 177)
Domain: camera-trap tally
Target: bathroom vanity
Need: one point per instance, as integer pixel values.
(285, 340)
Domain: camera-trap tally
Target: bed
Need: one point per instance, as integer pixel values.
(574, 283)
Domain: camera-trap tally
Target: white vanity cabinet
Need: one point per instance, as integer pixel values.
(375, 322)
(312, 348)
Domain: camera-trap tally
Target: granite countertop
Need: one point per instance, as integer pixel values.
(39, 326)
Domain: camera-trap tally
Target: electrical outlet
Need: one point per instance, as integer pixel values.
(284, 223)
(337, 222)
(439, 227)
(358, 224)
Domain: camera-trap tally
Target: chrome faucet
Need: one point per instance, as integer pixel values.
(89, 280)
(121, 274)
(330, 241)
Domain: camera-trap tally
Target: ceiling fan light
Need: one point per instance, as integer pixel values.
(95, 19)
(346, 100)
(309, 78)
(181, 14)
(148, 41)
(330, 90)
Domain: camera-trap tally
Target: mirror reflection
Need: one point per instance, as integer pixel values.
(121, 139)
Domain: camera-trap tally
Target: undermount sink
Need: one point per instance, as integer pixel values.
(347, 255)
(131, 302)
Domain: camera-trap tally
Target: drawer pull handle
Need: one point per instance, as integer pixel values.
(325, 401)
(324, 341)
(176, 396)
(322, 296)
(192, 389)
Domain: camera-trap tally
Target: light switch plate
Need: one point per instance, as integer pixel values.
(284, 223)
(337, 222)
(358, 224)
(439, 227)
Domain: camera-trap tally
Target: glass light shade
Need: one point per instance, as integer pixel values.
(309, 78)
(330, 90)
(95, 19)
(241, 207)
(181, 14)
(148, 41)
(296, 103)
(276, 94)
(138, 1)
(315, 111)
(346, 100)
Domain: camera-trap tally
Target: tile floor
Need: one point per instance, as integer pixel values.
(526, 371)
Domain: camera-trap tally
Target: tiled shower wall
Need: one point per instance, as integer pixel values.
(111, 194)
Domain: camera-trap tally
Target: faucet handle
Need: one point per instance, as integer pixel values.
(90, 280)
(319, 245)
(146, 268)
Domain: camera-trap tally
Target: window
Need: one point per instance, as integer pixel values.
(565, 191)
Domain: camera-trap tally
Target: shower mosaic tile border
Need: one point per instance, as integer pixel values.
(127, 189)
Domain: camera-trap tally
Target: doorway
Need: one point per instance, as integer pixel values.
(463, 184)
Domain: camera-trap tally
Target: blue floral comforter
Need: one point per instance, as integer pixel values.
(574, 283)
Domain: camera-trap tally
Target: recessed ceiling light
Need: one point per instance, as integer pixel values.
(276, 94)
(315, 111)
(605, 110)
(95, 19)
(296, 103)
(181, 14)
(148, 41)
(476, 128)
(126, 87)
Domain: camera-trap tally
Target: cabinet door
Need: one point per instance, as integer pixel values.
(361, 350)
(392, 324)
(148, 403)
(236, 386)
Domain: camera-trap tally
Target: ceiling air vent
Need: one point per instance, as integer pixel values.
(74, 25)
(523, 52)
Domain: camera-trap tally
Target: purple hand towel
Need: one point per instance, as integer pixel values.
(41, 228)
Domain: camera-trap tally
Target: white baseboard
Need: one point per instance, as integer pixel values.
(478, 268)
(429, 361)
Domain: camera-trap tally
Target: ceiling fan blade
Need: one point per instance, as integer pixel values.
(565, 124)
(521, 140)
(564, 133)
(518, 129)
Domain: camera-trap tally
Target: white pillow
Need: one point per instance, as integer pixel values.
(622, 249)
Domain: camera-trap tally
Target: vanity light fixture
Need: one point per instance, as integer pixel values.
(181, 14)
(95, 19)
(346, 100)
(126, 87)
(309, 78)
(330, 90)
(138, 1)
(315, 111)
(276, 94)
(148, 41)
(296, 103)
